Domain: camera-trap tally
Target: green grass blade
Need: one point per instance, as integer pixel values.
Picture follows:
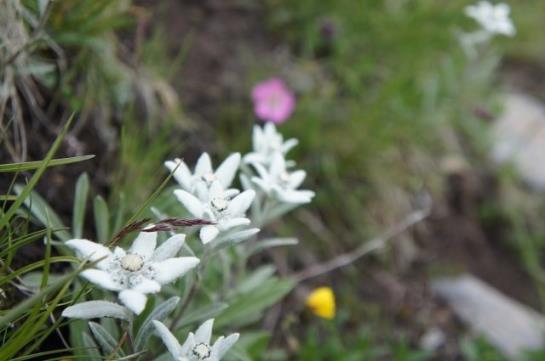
(24, 166)
(6, 217)
(44, 213)
(80, 203)
(102, 218)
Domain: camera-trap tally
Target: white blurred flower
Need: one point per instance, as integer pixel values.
(266, 142)
(204, 174)
(134, 273)
(197, 346)
(493, 18)
(226, 208)
(277, 182)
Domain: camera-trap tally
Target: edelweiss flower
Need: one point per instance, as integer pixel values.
(197, 347)
(493, 18)
(204, 174)
(226, 208)
(277, 182)
(273, 101)
(140, 270)
(266, 142)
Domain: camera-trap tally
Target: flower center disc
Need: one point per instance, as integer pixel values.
(208, 178)
(132, 262)
(202, 351)
(220, 204)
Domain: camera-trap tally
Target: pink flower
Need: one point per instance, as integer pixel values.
(273, 101)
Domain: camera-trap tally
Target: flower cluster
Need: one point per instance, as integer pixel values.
(274, 175)
(197, 346)
(270, 187)
(494, 19)
(206, 194)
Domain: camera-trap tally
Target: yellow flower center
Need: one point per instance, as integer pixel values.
(202, 351)
(132, 262)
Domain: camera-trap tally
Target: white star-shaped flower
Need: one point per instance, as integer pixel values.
(197, 346)
(204, 174)
(266, 142)
(493, 18)
(277, 182)
(226, 208)
(140, 270)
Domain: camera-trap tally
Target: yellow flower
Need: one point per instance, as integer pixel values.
(321, 302)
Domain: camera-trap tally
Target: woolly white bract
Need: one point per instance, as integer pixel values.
(197, 346)
(134, 273)
(204, 175)
(277, 182)
(267, 142)
(226, 208)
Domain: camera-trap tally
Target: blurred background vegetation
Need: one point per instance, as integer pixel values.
(388, 106)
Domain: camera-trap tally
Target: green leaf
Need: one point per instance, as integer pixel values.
(203, 313)
(37, 298)
(246, 307)
(91, 347)
(80, 205)
(255, 279)
(159, 313)
(24, 166)
(44, 213)
(97, 309)
(269, 243)
(107, 342)
(102, 219)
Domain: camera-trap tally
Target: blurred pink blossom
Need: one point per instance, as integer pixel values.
(273, 101)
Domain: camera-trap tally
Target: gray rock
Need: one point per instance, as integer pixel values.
(507, 324)
(519, 136)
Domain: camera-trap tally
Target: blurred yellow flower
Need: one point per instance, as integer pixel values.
(321, 302)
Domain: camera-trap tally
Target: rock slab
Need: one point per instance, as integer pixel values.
(507, 324)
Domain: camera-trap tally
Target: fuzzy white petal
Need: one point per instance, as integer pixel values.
(232, 223)
(204, 332)
(278, 165)
(227, 170)
(101, 278)
(147, 286)
(296, 179)
(134, 300)
(289, 144)
(190, 202)
(119, 252)
(188, 344)
(208, 233)
(293, 196)
(90, 250)
(144, 244)
(262, 184)
(225, 344)
(216, 190)
(204, 165)
(170, 341)
(169, 248)
(241, 203)
(168, 270)
(182, 174)
(254, 158)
